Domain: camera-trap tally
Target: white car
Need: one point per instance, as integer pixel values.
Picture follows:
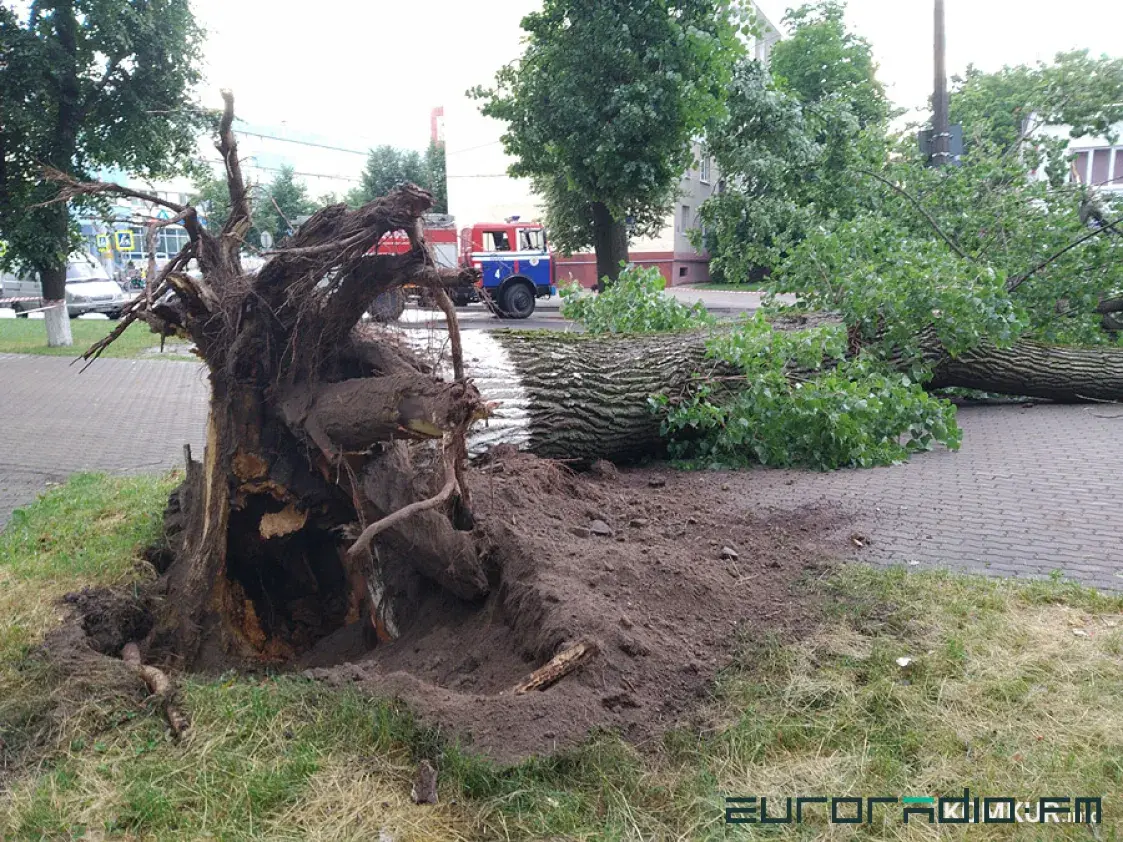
(88, 290)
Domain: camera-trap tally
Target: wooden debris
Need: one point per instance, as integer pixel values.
(160, 686)
(276, 524)
(558, 668)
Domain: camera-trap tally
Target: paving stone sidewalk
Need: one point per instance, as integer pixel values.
(121, 416)
(1033, 490)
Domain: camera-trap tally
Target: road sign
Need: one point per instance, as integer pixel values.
(103, 243)
(124, 240)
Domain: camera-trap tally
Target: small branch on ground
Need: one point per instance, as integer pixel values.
(558, 668)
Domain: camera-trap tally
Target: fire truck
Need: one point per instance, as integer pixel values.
(514, 264)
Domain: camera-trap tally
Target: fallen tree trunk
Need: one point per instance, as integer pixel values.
(578, 397)
(1033, 369)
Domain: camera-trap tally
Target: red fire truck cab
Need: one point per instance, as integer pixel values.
(512, 257)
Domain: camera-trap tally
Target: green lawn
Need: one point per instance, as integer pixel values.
(1011, 690)
(29, 336)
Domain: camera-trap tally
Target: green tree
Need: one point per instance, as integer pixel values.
(212, 198)
(436, 176)
(822, 60)
(280, 203)
(86, 86)
(603, 106)
(788, 147)
(386, 168)
(1003, 108)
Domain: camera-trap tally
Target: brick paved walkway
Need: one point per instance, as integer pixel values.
(1032, 491)
(55, 421)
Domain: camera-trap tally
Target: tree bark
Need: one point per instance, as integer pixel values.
(57, 321)
(317, 431)
(1059, 373)
(610, 242)
(581, 398)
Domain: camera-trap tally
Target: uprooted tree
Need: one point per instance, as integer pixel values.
(333, 487)
(320, 439)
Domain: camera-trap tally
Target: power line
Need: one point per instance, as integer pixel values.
(351, 179)
(474, 148)
(300, 142)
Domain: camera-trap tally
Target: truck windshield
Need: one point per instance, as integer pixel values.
(495, 241)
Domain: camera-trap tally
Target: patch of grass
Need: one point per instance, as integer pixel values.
(29, 336)
(1000, 696)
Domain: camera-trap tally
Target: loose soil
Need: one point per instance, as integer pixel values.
(664, 609)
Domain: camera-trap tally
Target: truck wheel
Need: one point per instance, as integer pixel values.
(19, 311)
(388, 307)
(518, 301)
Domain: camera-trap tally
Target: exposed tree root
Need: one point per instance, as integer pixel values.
(160, 686)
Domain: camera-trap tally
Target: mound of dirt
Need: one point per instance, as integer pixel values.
(660, 570)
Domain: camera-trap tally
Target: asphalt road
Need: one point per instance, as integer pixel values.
(547, 315)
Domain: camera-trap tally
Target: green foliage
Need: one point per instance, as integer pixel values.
(277, 207)
(89, 85)
(212, 199)
(386, 168)
(822, 61)
(635, 303)
(1076, 90)
(802, 402)
(995, 270)
(606, 100)
(787, 146)
(436, 176)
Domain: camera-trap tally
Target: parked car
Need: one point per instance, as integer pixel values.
(88, 290)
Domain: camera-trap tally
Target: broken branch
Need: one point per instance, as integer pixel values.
(558, 668)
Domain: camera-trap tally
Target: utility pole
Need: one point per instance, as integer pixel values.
(941, 132)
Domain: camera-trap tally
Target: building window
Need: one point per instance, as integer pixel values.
(684, 223)
(1102, 167)
(704, 170)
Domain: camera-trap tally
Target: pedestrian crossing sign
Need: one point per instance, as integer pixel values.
(124, 240)
(103, 243)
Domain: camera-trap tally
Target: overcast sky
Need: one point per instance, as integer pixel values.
(366, 72)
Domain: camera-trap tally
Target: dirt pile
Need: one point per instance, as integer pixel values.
(664, 572)
(631, 561)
